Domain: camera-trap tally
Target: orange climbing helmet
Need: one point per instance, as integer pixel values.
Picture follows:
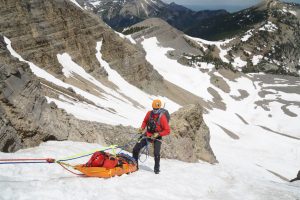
(156, 104)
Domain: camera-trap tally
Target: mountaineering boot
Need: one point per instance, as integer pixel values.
(156, 165)
(137, 164)
(297, 178)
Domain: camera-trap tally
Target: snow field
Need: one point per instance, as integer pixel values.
(255, 146)
(178, 180)
(219, 44)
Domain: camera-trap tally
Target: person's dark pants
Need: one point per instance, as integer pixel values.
(157, 145)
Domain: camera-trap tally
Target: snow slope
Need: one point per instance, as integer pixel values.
(178, 180)
(197, 82)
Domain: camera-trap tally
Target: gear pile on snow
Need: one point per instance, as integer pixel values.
(106, 165)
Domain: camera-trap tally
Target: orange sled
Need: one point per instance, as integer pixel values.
(103, 172)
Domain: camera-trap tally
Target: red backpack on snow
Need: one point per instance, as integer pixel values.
(102, 159)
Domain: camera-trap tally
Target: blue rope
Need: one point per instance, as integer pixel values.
(146, 150)
(133, 141)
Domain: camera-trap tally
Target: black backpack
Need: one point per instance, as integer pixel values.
(151, 126)
(166, 113)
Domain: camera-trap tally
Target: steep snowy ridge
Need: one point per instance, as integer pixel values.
(116, 103)
(129, 7)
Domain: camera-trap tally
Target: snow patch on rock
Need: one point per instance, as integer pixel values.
(127, 37)
(256, 59)
(247, 35)
(239, 63)
(269, 26)
(75, 2)
(219, 44)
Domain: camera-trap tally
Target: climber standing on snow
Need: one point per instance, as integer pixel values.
(156, 122)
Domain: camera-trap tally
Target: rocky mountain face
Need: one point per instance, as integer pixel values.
(227, 25)
(41, 31)
(26, 117)
(266, 39)
(121, 14)
(273, 43)
(41, 35)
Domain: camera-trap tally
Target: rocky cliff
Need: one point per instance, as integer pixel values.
(39, 30)
(27, 119)
(190, 136)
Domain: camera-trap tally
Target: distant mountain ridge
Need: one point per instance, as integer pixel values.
(206, 24)
(263, 38)
(120, 14)
(230, 24)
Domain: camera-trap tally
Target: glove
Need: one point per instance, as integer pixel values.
(154, 136)
(140, 131)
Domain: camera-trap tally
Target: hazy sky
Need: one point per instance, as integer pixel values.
(229, 5)
(220, 2)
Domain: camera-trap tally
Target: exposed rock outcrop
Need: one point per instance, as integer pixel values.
(189, 139)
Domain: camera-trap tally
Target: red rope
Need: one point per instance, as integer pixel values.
(22, 159)
(62, 165)
(49, 160)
